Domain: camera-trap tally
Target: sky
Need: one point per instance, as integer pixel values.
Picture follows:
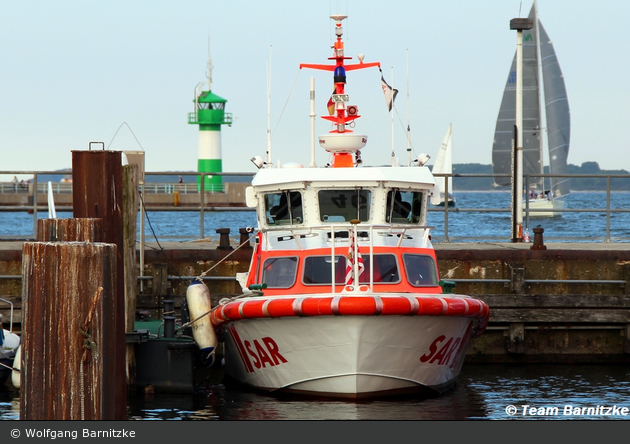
(123, 73)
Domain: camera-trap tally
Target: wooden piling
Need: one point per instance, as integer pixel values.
(67, 230)
(97, 192)
(130, 216)
(70, 230)
(69, 342)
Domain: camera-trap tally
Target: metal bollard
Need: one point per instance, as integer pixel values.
(224, 240)
(244, 237)
(538, 239)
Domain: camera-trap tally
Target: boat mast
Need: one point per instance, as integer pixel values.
(541, 181)
(342, 115)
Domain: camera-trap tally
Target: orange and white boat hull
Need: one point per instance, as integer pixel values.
(347, 356)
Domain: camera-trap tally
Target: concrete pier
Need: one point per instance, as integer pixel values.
(567, 303)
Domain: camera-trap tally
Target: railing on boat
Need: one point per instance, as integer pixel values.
(399, 230)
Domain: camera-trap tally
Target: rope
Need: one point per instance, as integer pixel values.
(221, 302)
(285, 104)
(88, 345)
(189, 323)
(9, 367)
(226, 256)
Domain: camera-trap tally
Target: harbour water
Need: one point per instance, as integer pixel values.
(478, 216)
(482, 392)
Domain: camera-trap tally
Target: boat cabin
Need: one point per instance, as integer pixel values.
(308, 219)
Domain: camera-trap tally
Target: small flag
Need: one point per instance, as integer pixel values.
(390, 93)
(351, 260)
(331, 105)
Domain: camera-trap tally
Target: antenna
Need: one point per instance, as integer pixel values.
(269, 108)
(393, 154)
(408, 126)
(209, 74)
(312, 115)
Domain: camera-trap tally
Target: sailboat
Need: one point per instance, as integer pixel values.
(538, 52)
(444, 165)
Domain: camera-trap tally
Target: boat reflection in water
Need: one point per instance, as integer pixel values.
(223, 399)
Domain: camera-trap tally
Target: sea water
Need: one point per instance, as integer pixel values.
(478, 216)
(482, 392)
(495, 392)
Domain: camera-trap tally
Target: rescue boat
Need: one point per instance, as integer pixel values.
(343, 296)
(9, 351)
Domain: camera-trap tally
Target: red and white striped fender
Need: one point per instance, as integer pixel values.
(400, 305)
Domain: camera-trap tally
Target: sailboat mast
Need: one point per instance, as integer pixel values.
(538, 78)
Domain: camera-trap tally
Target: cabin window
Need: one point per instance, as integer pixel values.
(344, 205)
(421, 270)
(317, 270)
(279, 272)
(403, 207)
(385, 269)
(284, 208)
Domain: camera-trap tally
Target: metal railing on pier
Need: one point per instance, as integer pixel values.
(530, 213)
(605, 234)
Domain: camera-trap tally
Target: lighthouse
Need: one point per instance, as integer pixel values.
(209, 114)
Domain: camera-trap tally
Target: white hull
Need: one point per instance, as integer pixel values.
(8, 350)
(451, 201)
(543, 207)
(347, 356)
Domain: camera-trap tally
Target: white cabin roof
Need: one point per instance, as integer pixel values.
(403, 177)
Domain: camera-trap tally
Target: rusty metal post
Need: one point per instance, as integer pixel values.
(69, 342)
(97, 192)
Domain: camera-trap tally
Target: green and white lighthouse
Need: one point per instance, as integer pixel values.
(209, 114)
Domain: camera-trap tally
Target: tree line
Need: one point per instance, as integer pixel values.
(577, 183)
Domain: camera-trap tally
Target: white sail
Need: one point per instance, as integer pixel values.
(558, 115)
(52, 213)
(444, 165)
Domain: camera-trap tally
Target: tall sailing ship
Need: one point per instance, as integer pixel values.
(544, 198)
